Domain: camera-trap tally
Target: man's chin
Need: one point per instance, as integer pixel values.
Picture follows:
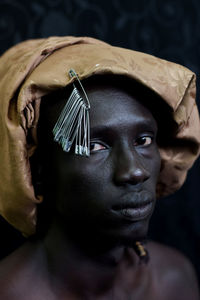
(128, 235)
(98, 238)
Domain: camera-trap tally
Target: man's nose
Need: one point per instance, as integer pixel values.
(130, 167)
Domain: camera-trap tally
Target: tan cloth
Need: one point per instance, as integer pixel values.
(36, 67)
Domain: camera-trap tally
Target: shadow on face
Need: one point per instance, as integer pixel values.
(109, 196)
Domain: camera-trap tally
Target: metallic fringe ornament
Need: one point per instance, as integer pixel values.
(73, 123)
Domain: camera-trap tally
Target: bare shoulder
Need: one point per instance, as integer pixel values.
(18, 271)
(16, 261)
(13, 272)
(174, 272)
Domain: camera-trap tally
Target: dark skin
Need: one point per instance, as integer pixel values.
(103, 205)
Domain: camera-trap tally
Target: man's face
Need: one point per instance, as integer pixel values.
(111, 194)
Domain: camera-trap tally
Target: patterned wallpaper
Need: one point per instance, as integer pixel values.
(168, 29)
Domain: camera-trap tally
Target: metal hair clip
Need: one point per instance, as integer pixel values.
(73, 123)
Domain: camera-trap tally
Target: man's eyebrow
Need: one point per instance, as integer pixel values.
(102, 130)
(145, 125)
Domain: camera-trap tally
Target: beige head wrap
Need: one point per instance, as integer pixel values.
(36, 67)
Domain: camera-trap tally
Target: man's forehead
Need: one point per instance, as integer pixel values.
(116, 106)
(112, 98)
(98, 87)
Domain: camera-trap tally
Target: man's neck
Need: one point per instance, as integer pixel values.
(77, 270)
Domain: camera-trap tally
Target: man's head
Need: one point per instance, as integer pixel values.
(111, 194)
(42, 66)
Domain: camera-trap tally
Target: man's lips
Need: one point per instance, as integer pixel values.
(134, 206)
(135, 214)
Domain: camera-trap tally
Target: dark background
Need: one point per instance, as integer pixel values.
(166, 28)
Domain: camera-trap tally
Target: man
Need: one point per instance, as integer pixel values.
(98, 203)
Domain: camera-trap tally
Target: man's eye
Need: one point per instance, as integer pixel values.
(144, 141)
(96, 147)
